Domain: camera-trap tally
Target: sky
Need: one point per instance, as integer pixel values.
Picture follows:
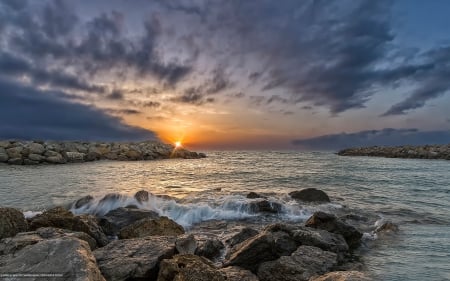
(214, 74)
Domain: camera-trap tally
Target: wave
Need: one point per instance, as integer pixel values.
(230, 207)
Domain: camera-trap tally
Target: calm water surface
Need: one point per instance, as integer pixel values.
(413, 193)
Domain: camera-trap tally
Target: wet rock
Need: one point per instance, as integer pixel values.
(342, 276)
(387, 227)
(235, 273)
(61, 218)
(115, 220)
(83, 201)
(186, 244)
(142, 196)
(134, 259)
(70, 256)
(187, 268)
(23, 239)
(310, 195)
(150, 227)
(265, 206)
(331, 223)
(210, 249)
(301, 265)
(243, 235)
(253, 195)
(12, 221)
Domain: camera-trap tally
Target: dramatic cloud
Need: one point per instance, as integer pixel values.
(385, 137)
(28, 113)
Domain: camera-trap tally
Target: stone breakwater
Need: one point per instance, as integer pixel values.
(52, 152)
(421, 152)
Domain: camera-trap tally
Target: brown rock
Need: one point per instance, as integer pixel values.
(310, 195)
(189, 268)
(150, 227)
(12, 221)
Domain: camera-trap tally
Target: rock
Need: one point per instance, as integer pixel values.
(141, 196)
(310, 195)
(328, 222)
(186, 244)
(15, 161)
(243, 235)
(3, 155)
(15, 152)
(303, 264)
(75, 157)
(83, 201)
(5, 144)
(61, 218)
(149, 227)
(30, 162)
(57, 159)
(387, 227)
(187, 268)
(253, 195)
(12, 221)
(210, 249)
(23, 239)
(116, 219)
(202, 155)
(68, 256)
(235, 273)
(36, 148)
(134, 259)
(322, 239)
(342, 276)
(265, 206)
(36, 157)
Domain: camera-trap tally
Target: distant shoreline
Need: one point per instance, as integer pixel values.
(62, 152)
(406, 151)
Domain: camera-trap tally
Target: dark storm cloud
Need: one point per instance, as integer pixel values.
(28, 113)
(385, 137)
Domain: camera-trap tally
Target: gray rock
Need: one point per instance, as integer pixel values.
(342, 276)
(210, 249)
(331, 223)
(187, 268)
(74, 157)
(265, 206)
(235, 273)
(83, 201)
(15, 161)
(36, 148)
(57, 159)
(3, 155)
(30, 162)
(15, 152)
(186, 244)
(134, 259)
(150, 227)
(36, 157)
(12, 221)
(243, 235)
(68, 256)
(310, 195)
(5, 144)
(303, 264)
(116, 219)
(322, 239)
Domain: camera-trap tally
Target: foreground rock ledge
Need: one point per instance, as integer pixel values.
(51, 152)
(420, 152)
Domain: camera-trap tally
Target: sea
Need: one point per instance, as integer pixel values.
(210, 195)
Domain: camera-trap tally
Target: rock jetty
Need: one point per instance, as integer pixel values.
(420, 152)
(53, 152)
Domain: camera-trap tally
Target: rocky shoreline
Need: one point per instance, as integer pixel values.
(62, 152)
(129, 243)
(418, 152)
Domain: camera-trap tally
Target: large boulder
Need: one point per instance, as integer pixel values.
(187, 268)
(3, 155)
(303, 264)
(119, 218)
(61, 218)
(36, 148)
(331, 223)
(310, 195)
(134, 259)
(142, 196)
(75, 157)
(186, 244)
(23, 239)
(70, 257)
(55, 158)
(342, 276)
(235, 273)
(264, 206)
(12, 221)
(150, 227)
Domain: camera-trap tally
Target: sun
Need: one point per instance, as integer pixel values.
(178, 144)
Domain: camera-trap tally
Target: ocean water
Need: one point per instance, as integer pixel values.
(415, 194)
